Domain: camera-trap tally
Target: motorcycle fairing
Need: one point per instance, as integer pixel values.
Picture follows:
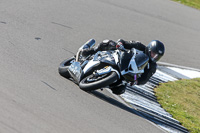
(90, 65)
(105, 57)
(76, 71)
(100, 56)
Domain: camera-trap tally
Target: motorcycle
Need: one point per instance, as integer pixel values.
(104, 68)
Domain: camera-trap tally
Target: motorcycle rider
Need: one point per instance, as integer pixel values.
(155, 50)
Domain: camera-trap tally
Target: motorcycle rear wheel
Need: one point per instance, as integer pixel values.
(64, 66)
(92, 82)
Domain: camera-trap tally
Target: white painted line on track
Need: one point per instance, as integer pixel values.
(177, 66)
(186, 72)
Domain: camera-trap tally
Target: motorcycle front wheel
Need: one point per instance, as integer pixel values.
(64, 66)
(93, 82)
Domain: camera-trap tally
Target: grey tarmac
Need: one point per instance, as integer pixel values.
(37, 35)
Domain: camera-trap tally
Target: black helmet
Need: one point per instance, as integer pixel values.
(155, 50)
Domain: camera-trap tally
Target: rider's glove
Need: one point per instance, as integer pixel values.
(119, 46)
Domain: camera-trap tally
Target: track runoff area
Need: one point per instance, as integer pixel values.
(142, 100)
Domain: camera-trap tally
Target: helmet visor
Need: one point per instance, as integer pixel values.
(154, 56)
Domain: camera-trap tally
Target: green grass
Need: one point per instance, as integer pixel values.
(182, 100)
(191, 3)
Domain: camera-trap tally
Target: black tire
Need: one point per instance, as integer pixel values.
(64, 66)
(106, 80)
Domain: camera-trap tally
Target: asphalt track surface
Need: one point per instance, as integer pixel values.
(37, 35)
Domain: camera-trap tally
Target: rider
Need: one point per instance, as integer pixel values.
(155, 50)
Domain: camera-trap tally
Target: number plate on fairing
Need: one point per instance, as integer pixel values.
(76, 71)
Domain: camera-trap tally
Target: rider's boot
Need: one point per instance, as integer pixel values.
(118, 88)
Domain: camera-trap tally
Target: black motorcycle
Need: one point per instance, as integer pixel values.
(104, 68)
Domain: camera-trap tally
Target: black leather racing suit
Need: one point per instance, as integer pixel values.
(111, 45)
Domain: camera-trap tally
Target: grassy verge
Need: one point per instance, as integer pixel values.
(192, 3)
(182, 100)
